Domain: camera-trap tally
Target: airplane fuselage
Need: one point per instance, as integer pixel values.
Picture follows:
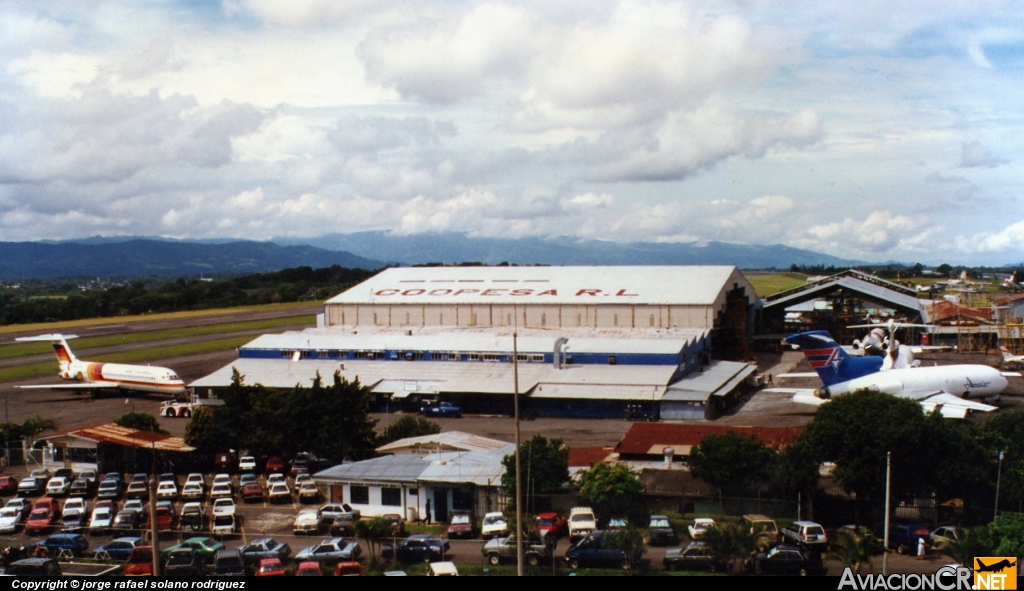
(138, 378)
(963, 380)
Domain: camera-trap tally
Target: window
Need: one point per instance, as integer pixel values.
(611, 360)
(324, 354)
(359, 494)
(391, 497)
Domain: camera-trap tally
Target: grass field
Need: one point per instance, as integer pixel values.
(40, 369)
(36, 348)
(71, 324)
(766, 284)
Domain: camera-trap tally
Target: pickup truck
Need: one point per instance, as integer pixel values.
(441, 409)
(501, 550)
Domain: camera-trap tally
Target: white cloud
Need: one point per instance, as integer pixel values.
(975, 155)
(1008, 242)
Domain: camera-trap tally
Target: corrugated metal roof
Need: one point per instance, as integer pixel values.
(448, 440)
(496, 340)
(469, 377)
(718, 377)
(661, 285)
(112, 433)
(876, 292)
(598, 392)
(653, 438)
(481, 469)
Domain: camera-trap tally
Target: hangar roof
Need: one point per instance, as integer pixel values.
(641, 285)
(869, 290)
(402, 379)
(624, 341)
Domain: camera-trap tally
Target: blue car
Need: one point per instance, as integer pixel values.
(118, 549)
(76, 544)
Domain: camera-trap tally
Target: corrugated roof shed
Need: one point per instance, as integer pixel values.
(645, 439)
(112, 433)
(660, 285)
(870, 290)
(443, 442)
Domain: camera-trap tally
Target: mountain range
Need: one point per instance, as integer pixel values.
(147, 256)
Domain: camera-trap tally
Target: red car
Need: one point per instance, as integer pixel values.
(8, 485)
(164, 519)
(461, 526)
(43, 516)
(309, 569)
(270, 567)
(275, 465)
(252, 493)
(348, 569)
(549, 524)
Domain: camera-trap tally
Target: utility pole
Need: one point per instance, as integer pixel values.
(519, 472)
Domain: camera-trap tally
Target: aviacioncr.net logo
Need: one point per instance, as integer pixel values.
(947, 578)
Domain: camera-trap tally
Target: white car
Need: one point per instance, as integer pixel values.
(75, 507)
(495, 524)
(221, 491)
(223, 525)
(192, 490)
(195, 478)
(167, 490)
(11, 519)
(102, 518)
(58, 486)
(247, 464)
(223, 507)
(306, 523)
(222, 479)
(582, 521)
(699, 527)
(276, 478)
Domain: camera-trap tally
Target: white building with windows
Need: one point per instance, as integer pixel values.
(465, 476)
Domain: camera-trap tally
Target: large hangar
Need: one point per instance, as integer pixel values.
(589, 341)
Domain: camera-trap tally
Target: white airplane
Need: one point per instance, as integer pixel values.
(1011, 358)
(88, 376)
(945, 389)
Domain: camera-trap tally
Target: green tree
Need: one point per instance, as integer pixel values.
(731, 462)
(857, 430)
(1008, 534)
(1002, 433)
(408, 426)
(631, 541)
(731, 542)
(140, 421)
(545, 468)
(612, 489)
(374, 532)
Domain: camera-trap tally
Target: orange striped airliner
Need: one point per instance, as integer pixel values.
(89, 376)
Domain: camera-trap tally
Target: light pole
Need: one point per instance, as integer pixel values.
(999, 476)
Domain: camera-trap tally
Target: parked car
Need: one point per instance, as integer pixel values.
(11, 519)
(82, 488)
(167, 490)
(76, 544)
(786, 559)
(192, 491)
(495, 524)
(348, 569)
(127, 520)
(397, 524)
(306, 523)
(137, 490)
(342, 525)
(223, 506)
(140, 562)
(193, 516)
(247, 464)
(183, 562)
(501, 550)
(441, 409)
(43, 517)
(661, 531)
(903, 536)
(308, 492)
(263, 548)
(330, 551)
(693, 556)
(416, 548)
(274, 465)
(58, 486)
(119, 549)
(8, 485)
(109, 489)
(594, 550)
(34, 567)
(204, 547)
(279, 493)
(309, 568)
(252, 492)
(102, 517)
(549, 525)
(270, 567)
(945, 534)
(699, 527)
(582, 521)
(30, 486)
(807, 534)
(761, 526)
(228, 563)
(461, 525)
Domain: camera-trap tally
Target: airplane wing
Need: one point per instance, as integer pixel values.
(949, 405)
(1011, 374)
(73, 386)
(798, 374)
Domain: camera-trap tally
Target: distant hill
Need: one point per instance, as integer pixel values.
(455, 248)
(135, 257)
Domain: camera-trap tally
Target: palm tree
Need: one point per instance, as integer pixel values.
(966, 544)
(853, 548)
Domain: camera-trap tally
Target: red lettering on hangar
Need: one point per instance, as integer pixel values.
(498, 292)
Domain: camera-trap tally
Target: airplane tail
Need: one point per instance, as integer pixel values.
(65, 357)
(828, 359)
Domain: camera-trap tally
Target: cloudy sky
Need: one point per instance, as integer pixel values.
(872, 130)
